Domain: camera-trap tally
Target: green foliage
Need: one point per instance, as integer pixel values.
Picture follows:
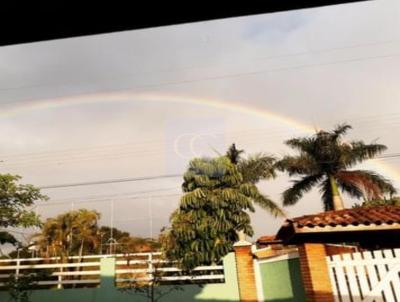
(393, 201)
(6, 237)
(15, 198)
(212, 211)
(78, 233)
(324, 160)
(74, 232)
(234, 154)
(253, 169)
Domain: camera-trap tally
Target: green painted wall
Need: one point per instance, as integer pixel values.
(281, 281)
(221, 292)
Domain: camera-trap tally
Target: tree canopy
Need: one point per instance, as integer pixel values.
(213, 209)
(78, 233)
(324, 160)
(15, 200)
(70, 233)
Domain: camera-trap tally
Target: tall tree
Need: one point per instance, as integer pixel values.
(15, 200)
(86, 231)
(211, 213)
(70, 233)
(324, 160)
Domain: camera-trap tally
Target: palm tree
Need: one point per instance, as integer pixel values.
(54, 238)
(86, 231)
(253, 169)
(324, 160)
(69, 233)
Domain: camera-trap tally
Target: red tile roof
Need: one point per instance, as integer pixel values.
(357, 216)
(329, 226)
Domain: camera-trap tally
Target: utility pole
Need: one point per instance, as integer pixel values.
(150, 216)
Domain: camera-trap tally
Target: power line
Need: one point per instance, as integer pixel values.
(49, 158)
(136, 143)
(385, 156)
(301, 53)
(108, 181)
(116, 196)
(56, 203)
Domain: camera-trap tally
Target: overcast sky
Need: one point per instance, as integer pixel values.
(191, 90)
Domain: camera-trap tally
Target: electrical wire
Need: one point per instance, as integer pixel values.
(47, 158)
(108, 181)
(169, 70)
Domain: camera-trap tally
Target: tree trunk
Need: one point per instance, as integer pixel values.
(337, 201)
(241, 235)
(81, 249)
(79, 260)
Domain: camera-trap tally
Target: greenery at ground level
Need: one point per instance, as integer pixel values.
(77, 233)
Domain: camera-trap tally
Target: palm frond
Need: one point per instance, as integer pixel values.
(298, 165)
(341, 129)
(267, 204)
(358, 151)
(326, 194)
(373, 184)
(301, 186)
(256, 167)
(234, 154)
(302, 144)
(350, 184)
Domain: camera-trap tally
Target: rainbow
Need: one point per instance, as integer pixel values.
(126, 96)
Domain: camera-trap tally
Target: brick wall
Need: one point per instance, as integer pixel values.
(245, 271)
(315, 274)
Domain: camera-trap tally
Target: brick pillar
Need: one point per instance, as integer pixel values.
(245, 271)
(315, 274)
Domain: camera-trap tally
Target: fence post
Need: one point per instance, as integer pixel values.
(315, 272)
(150, 266)
(59, 285)
(17, 270)
(245, 271)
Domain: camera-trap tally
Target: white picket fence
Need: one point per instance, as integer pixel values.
(86, 271)
(366, 276)
(150, 267)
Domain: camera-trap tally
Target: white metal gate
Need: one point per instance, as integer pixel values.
(366, 276)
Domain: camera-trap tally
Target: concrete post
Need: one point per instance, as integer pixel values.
(107, 272)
